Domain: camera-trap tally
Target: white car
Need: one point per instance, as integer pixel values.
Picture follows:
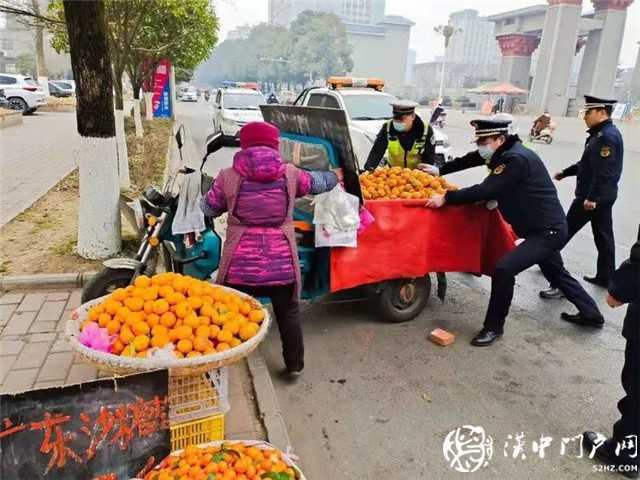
(367, 109)
(189, 95)
(22, 92)
(234, 107)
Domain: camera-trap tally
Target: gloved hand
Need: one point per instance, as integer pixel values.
(430, 169)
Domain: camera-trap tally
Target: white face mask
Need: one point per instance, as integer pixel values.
(486, 152)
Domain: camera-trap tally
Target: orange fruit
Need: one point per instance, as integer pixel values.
(235, 342)
(180, 284)
(160, 306)
(117, 347)
(205, 321)
(134, 317)
(213, 331)
(142, 281)
(247, 332)
(165, 291)
(126, 335)
(113, 327)
(168, 319)
(153, 319)
(207, 310)
(183, 309)
(194, 353)
(159, 340)
(103, 320)
(135, 304)
(183, 332)
(148, 307)
(202, 331)
(191, 320)
(233, 327)
(150, 293)
(184, 346)
(222, 347)
(225, 336)
(141, 328)
(178, 354)
(195, 302)
(111, 307)
(176, 298)
(200, 344)
(159, 330)
(119, 294)
(141, 342)
(256, 316)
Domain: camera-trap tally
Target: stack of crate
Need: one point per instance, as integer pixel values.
(197, 406)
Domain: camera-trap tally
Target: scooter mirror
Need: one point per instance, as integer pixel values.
(214, 143)
(179, 140)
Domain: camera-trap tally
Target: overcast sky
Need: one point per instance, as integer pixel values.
(426, 14)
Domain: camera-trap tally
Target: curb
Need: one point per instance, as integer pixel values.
(268, 406)
(45, 281)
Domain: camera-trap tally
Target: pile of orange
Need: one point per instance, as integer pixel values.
(197, 317)
(228, 462)
(401, 183)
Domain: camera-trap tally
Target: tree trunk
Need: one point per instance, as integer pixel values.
(41, 64)
(137, 119)
(118, 72)
(123, 154)
(99, 212)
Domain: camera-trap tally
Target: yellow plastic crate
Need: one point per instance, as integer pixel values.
(198, 396)
(204, 430)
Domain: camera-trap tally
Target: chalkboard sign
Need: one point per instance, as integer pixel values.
(107, 429)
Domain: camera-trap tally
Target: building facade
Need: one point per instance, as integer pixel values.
(474, 43)
(283, 12)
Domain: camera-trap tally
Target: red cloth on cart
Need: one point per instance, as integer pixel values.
(408, 240)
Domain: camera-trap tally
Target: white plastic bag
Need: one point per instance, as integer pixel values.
(336, 218)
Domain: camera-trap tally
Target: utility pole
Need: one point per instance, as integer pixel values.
(447, 31)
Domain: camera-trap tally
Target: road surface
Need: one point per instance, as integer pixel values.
(378, 400)
(35, 156)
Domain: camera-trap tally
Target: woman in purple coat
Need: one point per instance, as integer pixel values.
(259, 255)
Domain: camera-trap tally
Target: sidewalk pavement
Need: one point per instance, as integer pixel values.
(34, 354)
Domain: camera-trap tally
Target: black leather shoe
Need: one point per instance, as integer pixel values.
(606, 453)
(579, 319)
(485, 338)
(552, 294)
(596, 281)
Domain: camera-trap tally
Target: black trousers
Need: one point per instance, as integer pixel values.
(629, 406)
(543, 249)
(287, 313)
(602, 228)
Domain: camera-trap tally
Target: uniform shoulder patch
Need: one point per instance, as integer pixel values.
(605, 152)
(499, 169)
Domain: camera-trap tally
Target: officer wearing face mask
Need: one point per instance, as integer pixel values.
(407, 140)
(528, 200)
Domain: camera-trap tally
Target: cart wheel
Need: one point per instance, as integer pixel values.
(403, 299)
(549, 139)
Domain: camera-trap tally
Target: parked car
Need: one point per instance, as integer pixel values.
(368, 108)
(189, 95)
(237, 104)
(22, 92)
(68, 86)
(56, 91)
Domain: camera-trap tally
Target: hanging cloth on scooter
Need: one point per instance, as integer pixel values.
(189, 217)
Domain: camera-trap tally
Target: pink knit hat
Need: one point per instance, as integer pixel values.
(255, 134)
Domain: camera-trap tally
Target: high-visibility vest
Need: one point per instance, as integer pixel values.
(398, 156)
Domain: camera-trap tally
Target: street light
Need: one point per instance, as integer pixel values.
(447, 31)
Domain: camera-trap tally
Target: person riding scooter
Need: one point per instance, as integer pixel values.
(540, 123)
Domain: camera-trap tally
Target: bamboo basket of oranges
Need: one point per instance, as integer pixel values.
(251, 459)
(169, 321)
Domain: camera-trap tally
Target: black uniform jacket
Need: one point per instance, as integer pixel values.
(600, 167)
(519, 181)
(625, 287)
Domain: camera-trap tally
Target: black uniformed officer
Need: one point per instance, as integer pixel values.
(622, 449)
(598, 173)
(407, 140)
(528, 200)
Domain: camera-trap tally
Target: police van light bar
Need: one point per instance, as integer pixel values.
(250, 85)
(339, 82)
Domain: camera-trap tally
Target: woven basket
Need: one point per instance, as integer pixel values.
(262, 445)
(118, 365)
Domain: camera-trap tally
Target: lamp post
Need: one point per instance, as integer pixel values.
(447, 31)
